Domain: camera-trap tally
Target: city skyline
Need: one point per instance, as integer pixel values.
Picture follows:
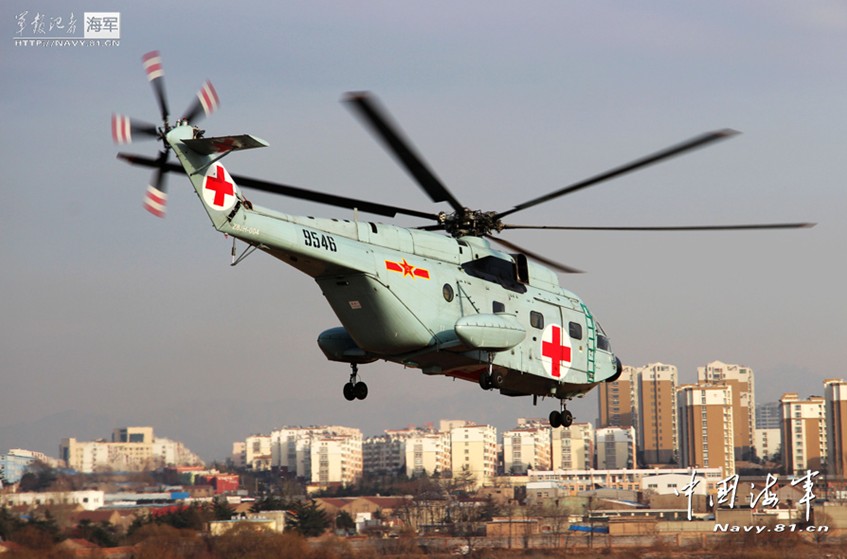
(113, 317)
(93, 425)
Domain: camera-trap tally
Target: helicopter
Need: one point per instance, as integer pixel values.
(441, 297)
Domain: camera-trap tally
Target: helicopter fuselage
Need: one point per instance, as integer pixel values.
(447, 306)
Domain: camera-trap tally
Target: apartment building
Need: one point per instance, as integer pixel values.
(15, 463)
(336, 458)
(835, 395)
(474, 450)
(527, 447)
(804, 436)
(413, 451)
(573, 447)
(657, 420)
(706, 427)
(615, 448)
(257, 452)
(740, 378)
(619, 400)
(337, 449)
(428, 452)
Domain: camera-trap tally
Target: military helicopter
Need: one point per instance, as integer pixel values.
(440, 297)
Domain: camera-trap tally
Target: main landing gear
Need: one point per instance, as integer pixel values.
(491, 379)
(355, 389)
(562, 418)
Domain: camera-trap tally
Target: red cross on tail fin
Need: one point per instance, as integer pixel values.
(224, 144)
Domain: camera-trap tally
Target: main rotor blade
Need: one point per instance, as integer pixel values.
(206, 102)
(668, 228)
(156, 76)
(367, 108)
(292, 191)
(694, 143)
(156, 198)
(124, 128)
(534, 256)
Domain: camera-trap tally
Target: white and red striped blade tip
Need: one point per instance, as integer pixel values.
(155, 201)
(208, 98)
(121, 129)
(153, 65)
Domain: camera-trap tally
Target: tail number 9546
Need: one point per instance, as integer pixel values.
(314, 239)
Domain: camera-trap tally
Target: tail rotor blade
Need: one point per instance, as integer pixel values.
(156, 76)
(156, 197)
(206, 103)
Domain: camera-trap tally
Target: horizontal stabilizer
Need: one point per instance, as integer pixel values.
(223, 144)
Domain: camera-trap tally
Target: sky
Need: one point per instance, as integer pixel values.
(113, 317)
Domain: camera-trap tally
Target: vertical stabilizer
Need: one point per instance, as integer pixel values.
(201, 159)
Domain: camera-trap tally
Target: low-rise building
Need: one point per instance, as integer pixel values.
(87, 500)
(132, 449)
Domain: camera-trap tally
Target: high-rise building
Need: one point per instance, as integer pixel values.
(336, 458)
(427, 452)
(615, 448)
(835, 394)
(740, 378)
(573, 447)
(706, 427)
(767, 435)
(618, 400)
(656, 411)
(338, 451)
(804, 441)
(474, 450)
(527, 447)
(768, 416)
(413, 451)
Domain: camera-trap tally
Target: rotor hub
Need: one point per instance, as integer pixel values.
(468, 222)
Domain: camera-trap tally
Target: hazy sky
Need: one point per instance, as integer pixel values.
(111, 316)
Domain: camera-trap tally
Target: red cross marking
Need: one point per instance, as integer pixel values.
(219, 186)
(556, 351)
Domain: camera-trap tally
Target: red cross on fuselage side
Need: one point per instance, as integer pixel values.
(219, 185)
(557, 352)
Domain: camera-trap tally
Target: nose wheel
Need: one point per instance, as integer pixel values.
(562, 418)
(355, 389)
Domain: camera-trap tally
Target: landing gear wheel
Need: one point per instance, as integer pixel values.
(349, 392)
(567, 418)
(497, 379)
(485, 381)
(555, 419)
(360, 390)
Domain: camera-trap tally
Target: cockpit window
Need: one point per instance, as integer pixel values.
(495, 270)
(603, 343)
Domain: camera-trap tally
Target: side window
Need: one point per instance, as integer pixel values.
(536, 320)
(498, 307)
(575, 330)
